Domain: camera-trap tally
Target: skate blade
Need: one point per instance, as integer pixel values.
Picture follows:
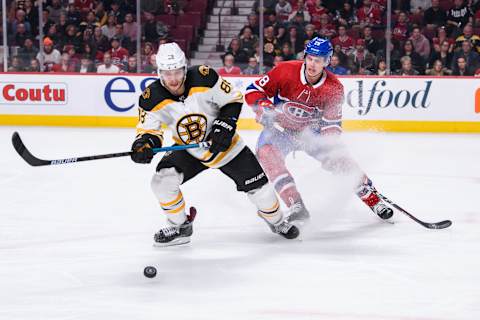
(174, 242)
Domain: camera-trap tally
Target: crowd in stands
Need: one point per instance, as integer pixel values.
(428, 37)
(87, 35)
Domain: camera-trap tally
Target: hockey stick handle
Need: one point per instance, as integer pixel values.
(34, 161)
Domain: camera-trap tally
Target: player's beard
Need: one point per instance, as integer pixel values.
(176, 88)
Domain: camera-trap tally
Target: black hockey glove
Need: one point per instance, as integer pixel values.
(142, 148)
(223, 130)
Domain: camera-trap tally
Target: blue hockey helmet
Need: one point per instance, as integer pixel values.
(321, 48)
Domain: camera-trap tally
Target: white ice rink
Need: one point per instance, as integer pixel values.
(74, 239)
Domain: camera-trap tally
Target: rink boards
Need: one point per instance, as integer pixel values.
(401, 104)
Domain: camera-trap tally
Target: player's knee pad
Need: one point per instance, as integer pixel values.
(166, 183)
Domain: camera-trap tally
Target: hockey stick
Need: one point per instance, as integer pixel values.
(34, 161)
(430, 225)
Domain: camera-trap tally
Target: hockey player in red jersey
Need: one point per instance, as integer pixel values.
(306, 115)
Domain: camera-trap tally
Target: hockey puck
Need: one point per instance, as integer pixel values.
(150, 272)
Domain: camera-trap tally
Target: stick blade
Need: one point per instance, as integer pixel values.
(439, 225)
(24, 153)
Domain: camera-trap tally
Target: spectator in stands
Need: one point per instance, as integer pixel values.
(268, 6)
(437, 70)
(468, 35)
(418, 63)
(394, 53)
(108, 30)
(272, 20)
(283, 9)
(457, 18)
(281, 34)
(100, 14)
(471, 57)
(420, 43)
(369, 15)
(344, 41)
(107, 66)
(316, 12)
(100, 41)
(15, 65)
(34, 66)
(298, 21)
(229, 68)
(130, 27)
(248, 40)
(253, 24)
(73, 15)
(271, 46)
(91, 22)
(435, 16)
(287, 53)
(71, 38)
(154, 30)
(295, 40)
(119, 54)
(346, 16)
(115, 11)
(151, 66)
(445, 55)
(326, 30)
(20, 19)
(31, 15)
(371, 43)
(381, 68)
(252, 67)
(310, 32)
(64, 65)
(240, 56)
(301, 8)
(27, 52)
(277, 60)
(147, 52)
(86, 65)
(53, 34)
(360, 58)
(400, 31)
(21, 35)
(152, 7)
(419, 6)
(84, 5)
(50, 55)
(407, 69)
(335, 66)
(131, 65)
(125, 41)
(461, 68)
(337, 50)
(62, 23)
(47, 22)
(55, 9)
(442, 36)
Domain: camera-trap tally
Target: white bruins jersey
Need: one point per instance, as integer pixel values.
(190, 116)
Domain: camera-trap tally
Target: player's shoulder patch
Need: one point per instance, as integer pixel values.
(201, 76)
(152, 96)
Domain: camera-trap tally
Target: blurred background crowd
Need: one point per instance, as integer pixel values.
(428, 37)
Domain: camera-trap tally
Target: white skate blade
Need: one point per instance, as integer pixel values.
(174, 242)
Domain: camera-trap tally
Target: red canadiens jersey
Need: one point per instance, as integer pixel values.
(299, 104)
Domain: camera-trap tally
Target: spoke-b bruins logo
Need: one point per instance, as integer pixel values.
(192, 128)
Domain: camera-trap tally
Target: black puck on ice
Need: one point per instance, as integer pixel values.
(150, 272)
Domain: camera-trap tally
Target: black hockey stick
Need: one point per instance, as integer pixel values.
(430, 225)
(34, 161)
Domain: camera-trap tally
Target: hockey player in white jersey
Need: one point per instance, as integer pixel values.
(197, 105)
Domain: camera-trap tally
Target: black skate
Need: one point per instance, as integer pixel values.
(298, 213)
(176, 235)
(283, 228)
(382, 210)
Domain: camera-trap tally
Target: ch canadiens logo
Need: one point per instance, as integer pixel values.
(298, 112)
(32, 93)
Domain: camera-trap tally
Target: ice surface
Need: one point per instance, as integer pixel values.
(74, 239)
